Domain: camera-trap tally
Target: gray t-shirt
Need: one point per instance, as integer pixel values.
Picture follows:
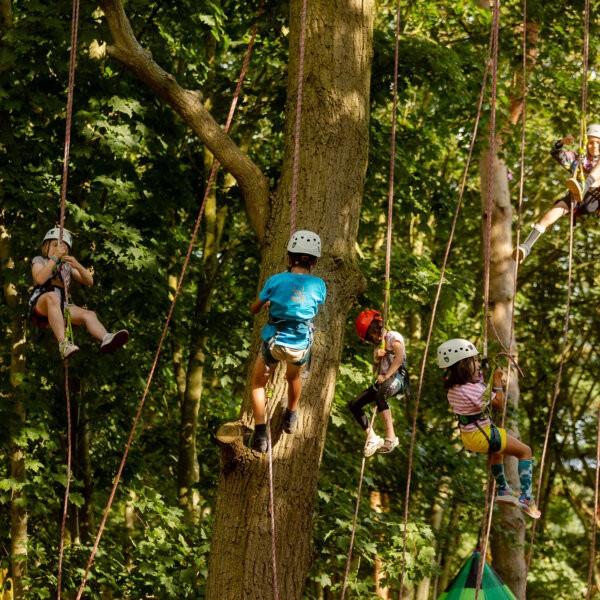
(63, 274)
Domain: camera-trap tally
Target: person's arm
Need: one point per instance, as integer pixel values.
(258, 305)
(377, 356)
(41, 273)
(398, 348)
(498, 398)
(565, 158)
(78, 271)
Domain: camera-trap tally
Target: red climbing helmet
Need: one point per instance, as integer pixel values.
(364, 320)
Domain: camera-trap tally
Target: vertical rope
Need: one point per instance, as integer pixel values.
(388, 255)
(168, 319)
(569, 288)
(298, 121)
(268, 397)
(492, 151)
(66, 500)
(595, 517)
(435, 305)
(63, 195)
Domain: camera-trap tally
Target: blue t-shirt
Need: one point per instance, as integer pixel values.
(295, 298)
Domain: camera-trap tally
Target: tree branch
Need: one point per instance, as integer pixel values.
(188, 105)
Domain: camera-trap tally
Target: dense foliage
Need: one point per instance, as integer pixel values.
(136, 180)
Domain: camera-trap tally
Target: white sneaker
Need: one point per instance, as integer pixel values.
(389, 445)
(373, 444)
(113, 341)
(66, 348)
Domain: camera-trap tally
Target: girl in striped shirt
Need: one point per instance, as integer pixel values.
(467, 395)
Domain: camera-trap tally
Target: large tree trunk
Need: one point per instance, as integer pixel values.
(18, 511)
(333, 158)
(509, 532)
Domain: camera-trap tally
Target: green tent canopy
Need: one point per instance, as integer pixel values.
(463, 586)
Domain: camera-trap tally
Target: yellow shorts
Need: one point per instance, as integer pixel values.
(475, 441)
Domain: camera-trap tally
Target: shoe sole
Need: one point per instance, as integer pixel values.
(373, 449)
(528, 512)
(507, 500)
(74, 351)
(574, 189)
(120, 338)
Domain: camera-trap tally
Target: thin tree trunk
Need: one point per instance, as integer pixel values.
(18, 511)
(333, 158)
(508, 536)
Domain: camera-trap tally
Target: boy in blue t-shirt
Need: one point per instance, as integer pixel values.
(292, 299)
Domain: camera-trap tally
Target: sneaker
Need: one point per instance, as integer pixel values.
(529, 507)
(521, 253)
(113, 341)
(373, 444)
(508, 496)
(260, 444)
(389, 445)
(67, 347)
(575, 188)
(289, 423)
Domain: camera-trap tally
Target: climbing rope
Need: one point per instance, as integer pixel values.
(595, 515)
(435, 306)
(586, 35)
(69, 332)
(388, 254)
(176, 295)
(298, 121)
(268, 396)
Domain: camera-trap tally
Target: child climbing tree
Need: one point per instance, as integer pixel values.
(332, 164)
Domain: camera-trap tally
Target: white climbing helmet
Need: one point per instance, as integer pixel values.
(450, 352)
(305, 242)
(593, 130)
(54, 234)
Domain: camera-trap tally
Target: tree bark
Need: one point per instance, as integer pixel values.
(509, 557)
(333, 158)
(18, 511)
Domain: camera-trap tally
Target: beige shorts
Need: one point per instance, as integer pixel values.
(289, 355)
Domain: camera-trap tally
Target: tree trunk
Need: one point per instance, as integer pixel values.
(18, 511)
(509, 533)
(333, 158)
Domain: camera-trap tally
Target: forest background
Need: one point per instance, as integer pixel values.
(137, 177)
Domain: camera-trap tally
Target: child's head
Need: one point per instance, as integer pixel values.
(369, 326)
(593, 139)
(52, 237)
(304, 249)
(459, 358)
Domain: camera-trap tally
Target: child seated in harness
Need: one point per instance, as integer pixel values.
(292, 299)
(52, 272)
(585, 197)
(467, 395)
(390, 365)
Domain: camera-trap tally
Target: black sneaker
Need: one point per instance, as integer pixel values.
(260, 444)
(289, 423)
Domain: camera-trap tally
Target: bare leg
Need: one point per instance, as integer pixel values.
(49, 306)
(560, 209)
(294, 381)
(386, 416)
(514, 447)
(257, 395)
(81, 316)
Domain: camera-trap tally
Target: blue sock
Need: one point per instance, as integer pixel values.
(260, 430)
(291, 415)
(526, 477)
(498, 473)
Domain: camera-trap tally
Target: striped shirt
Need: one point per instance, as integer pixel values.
(469, 399)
